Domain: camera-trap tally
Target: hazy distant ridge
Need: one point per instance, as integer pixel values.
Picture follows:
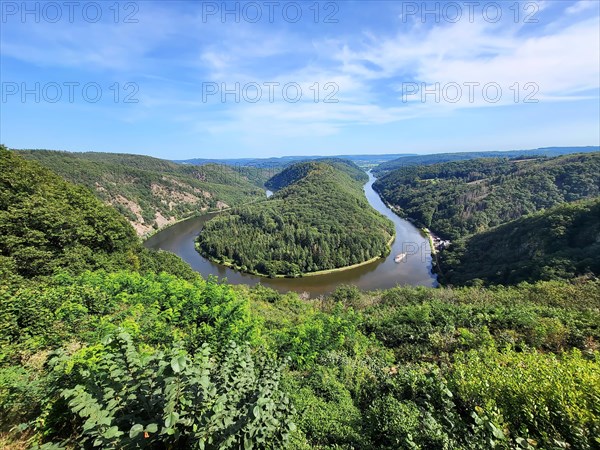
(415, 160)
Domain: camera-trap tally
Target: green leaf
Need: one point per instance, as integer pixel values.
(152, 428)
(178, 363)
(112, 432)
(135, 430)
(497, 432)
(171, 419)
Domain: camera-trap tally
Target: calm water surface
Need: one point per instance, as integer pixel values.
(415, 268)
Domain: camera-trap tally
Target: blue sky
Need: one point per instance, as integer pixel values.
(400, 77)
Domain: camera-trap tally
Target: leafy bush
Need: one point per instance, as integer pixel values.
(551, 399)
(171, 399)
(411, 407)
(156, 309)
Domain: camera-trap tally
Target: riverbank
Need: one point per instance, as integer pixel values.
(147, 236)
(303, 275)
(198, 214)
(427, 233)
(435, 242)
(353, 266)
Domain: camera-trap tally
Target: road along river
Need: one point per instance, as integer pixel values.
(413, 269)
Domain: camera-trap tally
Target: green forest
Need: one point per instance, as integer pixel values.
(151, 192)
(319, 219)
(561, 242)
(104, 344)
(508, 220)
(436, 158)
(456, 199)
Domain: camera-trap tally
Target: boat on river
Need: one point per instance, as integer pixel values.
(400, 258)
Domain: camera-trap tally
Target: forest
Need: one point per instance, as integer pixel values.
(456, 199)
(319, 219)
(561, 242)
(437, 158)
(151, 192)
(106, 345)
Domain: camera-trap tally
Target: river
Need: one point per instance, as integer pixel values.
(414, 269)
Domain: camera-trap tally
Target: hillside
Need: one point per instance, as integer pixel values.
(298, 171)
(318, 220)
(417, 160)
(48, 224)
(456, 199)
(562, 242)
(150, 192)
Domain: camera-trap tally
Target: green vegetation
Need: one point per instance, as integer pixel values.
(318, 220)
(421, 160)
(297, 172)
(509, 220)
(562, 242)
(152, 192)
(280, 163)
(398, 369)
(110, 351)
(460, 198)
(166, 400)
(48, 224)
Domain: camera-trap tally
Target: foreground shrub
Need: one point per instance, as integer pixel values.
(552, 400)
(172, 400)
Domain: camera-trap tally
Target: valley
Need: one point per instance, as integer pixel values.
(317, 220)
(311, 225)
(380, 274)
(367, 357)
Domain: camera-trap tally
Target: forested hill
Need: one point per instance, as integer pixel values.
(562, 242)
(48, 224)
(417, 160)
(150, 192)
(300, 170)
(456, 199)
(318, 220)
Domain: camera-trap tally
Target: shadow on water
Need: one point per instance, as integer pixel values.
(414, 269)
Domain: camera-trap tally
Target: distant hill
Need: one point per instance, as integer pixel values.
(284, 161)
(405, 161)
(298, 171)
(319, 219)
(459, 198)
(562, 242)
(150, 192)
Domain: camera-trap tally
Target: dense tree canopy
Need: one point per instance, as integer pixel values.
(320, 219)
(459, 198)
(296, 172)
(562, 242)
(436, 158)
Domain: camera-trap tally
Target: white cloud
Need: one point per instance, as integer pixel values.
(563, 60)
(582, 5)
